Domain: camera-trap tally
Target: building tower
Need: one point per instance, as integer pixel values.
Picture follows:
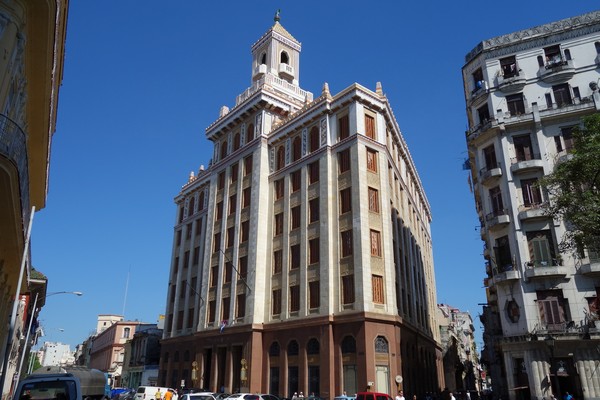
(302, 257)
(525, 92)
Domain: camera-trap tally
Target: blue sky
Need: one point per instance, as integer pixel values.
(142, 80)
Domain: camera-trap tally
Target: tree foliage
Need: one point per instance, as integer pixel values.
(574, 190)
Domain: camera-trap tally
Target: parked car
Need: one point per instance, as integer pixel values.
(344, 397)
(373, 396)
(200, 396)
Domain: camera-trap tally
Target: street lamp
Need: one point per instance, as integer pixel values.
(33, 310)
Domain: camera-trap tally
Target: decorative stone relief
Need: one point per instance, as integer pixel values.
(304, 138)
(272, 159)
(288, 146)
(243, 135)
(258, 125)
(323, 131)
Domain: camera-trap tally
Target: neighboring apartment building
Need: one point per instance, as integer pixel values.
(142, 356)
(461, 360)
(107, 350)
(32, 38)
(56, 354)
(525, 92)
(302, 257)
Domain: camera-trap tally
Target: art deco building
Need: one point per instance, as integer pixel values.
(302, 256)
(525, 92)
(32, 38)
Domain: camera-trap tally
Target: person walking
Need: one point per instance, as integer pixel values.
(158, 395)
(168, 395)
(400, 395)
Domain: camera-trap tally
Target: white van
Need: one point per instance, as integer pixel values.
(149, 393)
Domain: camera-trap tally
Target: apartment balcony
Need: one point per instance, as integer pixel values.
(525, 165)
(532, 212)
(508, 276)
(557, 71)
(591, 265)
(482, 232)
(490, 175)
(497, 219)
(545, 269)
(259, 71)
(286, 71)
(479, 92)
(512, 84)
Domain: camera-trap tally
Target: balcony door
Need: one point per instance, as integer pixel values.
(523, 147)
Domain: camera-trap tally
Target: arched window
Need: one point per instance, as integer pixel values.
(540, 60)
(263, 58)
(312, 347)
(285, 59)
(191, 206)
(201, 201)
(126, 333)
(348, 345)
(236, 141)
(280, 158)
(250, 133)
(176, 356)
(274, 349)
(292, 349)
(224, 149)
(314, 139)
(381, 345)
(297, 148)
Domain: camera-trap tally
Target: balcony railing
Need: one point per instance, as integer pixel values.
(13, 145)
(522, 164)
(545, 269)
(488, 173)
(557, 70)
(497, 219)
(532, 211)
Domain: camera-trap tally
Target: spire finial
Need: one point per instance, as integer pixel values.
(277, 17)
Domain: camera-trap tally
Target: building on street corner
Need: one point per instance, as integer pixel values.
(302, 256)
(525, 91)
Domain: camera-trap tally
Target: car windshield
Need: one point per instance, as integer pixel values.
(48, 390)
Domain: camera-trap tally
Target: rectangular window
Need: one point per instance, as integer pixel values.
(508, 65)
(219, 211)
(344, 127)
(375, 243)
(240, 309)
(377, 281)
(276, 301)
(186, 259)
(562, 94)
(234, 172)
(567, 134)
(245, 231)
(348, 289)
(483, 113)
(212, 308)
(295, 256)
(178, 238)
(496, 201)
(279, 187)
(515, 103)
(313, 172)
(232, 203)
(217, 243)
(221, 180)
(188, 231)
(371, 160)
(314, 295)
(228, 271)
(370, 127)
(196, 258)
(523, 148)
(278, 224)
(532, 194)
(344, 161)
(295, 217)
(277, 261)
(552, 308)
(225, 308)
(313, 209)
(346, 243)
(373, 200)
(214, 275)
(246, 196)
(295, 177)
(230, 236)
(541, 248)
(314, 251)
(247, 165)
(243, 267)
(489, 154)
(503, 254)
(345, 200)
(294, 298)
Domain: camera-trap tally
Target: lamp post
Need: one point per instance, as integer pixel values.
(33, 310)
(550, 342)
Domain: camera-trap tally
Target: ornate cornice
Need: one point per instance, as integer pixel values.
(538, 36)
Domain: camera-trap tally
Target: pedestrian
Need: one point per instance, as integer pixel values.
(168, 395)
(400, 395)
(568, 396)
(158, 395)
(295, 396)
(301, 395)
